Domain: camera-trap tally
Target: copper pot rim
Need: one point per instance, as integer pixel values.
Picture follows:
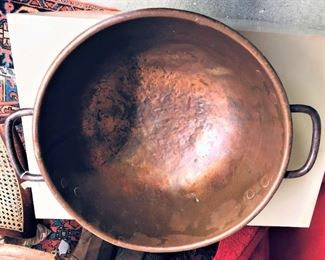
(200, 20)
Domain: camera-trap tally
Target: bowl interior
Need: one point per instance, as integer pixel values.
(161, 132)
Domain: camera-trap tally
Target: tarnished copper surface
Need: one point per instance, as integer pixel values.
(172, 130)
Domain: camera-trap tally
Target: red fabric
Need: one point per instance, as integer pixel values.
(246, 243)
(262, 250)
(285, 243)
(301, 243)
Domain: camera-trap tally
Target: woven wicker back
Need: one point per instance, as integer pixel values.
(16, 206)
(11, 207)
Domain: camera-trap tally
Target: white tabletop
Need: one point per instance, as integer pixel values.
(299, 60)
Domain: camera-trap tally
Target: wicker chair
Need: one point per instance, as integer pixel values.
(17, 218)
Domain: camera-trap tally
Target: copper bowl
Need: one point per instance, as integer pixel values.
(162, 130)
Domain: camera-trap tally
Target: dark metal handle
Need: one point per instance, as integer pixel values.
(12, 154)
(315, 141)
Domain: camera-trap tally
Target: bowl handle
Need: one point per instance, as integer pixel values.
(315, 141)
(12, 154)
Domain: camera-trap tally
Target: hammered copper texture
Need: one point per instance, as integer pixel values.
(169, 132)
